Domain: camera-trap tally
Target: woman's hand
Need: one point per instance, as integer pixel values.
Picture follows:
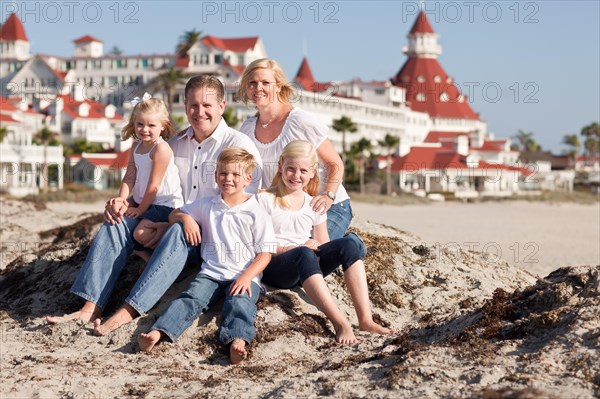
(114, 210)
(312, 244)
(321, 203)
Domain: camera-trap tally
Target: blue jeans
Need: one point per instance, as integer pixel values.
(166, 263)
(339, 217)
(105, 261)
(157, 213)
(239, 311)
(293, 267)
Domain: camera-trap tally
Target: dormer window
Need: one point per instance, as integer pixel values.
(444, 97)
(420, 97)
(437, 79)
(421, 79)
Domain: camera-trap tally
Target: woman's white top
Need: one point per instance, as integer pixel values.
(292, 228)
(169, 193)
(299, 125)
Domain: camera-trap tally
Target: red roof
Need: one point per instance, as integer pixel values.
(238, 45)
(429, 89)
(114, 160)
(13, 29)
(429, 158)
(182, 61)
(7, 105)
(305, 78)
(439, 137)
(86, 39)
(492, 145)
(71, 107)
(436, 158)
(7, 119)
(421, 25)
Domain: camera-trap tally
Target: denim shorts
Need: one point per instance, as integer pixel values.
(157, 213)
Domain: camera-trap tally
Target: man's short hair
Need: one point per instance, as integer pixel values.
(202, 81)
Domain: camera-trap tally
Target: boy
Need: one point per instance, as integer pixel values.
(237, 242)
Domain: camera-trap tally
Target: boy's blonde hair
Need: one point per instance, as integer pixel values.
(237, 155)
(295, 149)
(151, 106)
(287, 90)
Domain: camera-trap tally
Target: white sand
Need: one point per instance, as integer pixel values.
(537, 237)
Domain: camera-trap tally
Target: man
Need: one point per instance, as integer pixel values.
(195, 152)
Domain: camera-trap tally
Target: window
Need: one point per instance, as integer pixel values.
(444, 97)
(420, 97)
(437, 79)
(421, 79)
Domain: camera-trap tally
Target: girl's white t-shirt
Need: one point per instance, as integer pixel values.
(169, 193)
(299, 125)
(292, 228)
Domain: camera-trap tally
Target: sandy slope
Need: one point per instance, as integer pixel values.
(467, 328)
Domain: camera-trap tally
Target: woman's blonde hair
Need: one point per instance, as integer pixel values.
(295, 149)
(150, 106)
(287, 90)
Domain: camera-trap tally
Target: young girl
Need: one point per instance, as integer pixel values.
(151, 174)
(304, 260)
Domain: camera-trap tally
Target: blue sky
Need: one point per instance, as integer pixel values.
(530, 65)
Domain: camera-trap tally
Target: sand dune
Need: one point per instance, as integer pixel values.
(467, 328)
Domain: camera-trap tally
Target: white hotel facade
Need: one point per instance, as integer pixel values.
(86, 97)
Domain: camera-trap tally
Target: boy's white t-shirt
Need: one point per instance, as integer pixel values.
(292, 228)
(231, 237)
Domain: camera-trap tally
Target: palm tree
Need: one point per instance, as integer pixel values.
(168, 82)
(115, 50)
(230, 117)
(591, 133)
(45, 136)
(361, 150)
(343, 125)
(187, 40)
(390, 143)
(572, 141)
(526, 141)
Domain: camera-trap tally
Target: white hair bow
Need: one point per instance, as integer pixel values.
(137, 100)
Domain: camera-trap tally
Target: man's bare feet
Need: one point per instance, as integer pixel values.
(344, 334)
(237, 351)
(122, 316)
(146, 341)
(371, 326)
(88, 313)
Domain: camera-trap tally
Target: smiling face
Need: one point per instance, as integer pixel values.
(262, 87)
(204, 110)
(232, 178)
(148, 127)
(296, 173)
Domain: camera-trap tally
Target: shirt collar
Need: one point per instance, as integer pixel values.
(218, 135)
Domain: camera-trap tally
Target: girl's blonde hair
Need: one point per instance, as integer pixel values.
(287, 90)
(295, 149)
(151, 106)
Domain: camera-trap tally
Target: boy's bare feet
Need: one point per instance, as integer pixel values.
(122, 316)
(88, 313)
(237, 351)
(371, 326)
(344, 334)
(146, 341)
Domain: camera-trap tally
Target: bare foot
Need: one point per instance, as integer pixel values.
(121, 317)
(237, 351)
(146, 341)
(344, 334)
(88, 312)
(373, 327)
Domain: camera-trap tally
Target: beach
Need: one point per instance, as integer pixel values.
(534, 236)
(466, 325)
